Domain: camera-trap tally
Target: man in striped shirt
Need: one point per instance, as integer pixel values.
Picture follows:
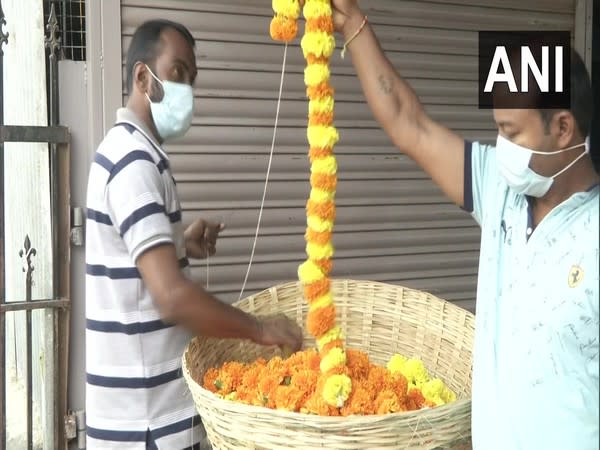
(141, 306)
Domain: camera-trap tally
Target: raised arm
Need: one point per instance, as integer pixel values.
(438, 150)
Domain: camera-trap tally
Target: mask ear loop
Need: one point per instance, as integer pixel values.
(571, 164)
(156, 78)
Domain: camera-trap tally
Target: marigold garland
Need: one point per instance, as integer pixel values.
(333, 381)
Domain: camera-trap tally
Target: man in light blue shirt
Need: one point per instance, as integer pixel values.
(535, 195)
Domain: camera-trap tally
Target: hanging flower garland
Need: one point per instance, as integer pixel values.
(333, 381)
(318, 45)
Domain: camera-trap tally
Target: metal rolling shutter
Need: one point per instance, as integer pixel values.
(393, 224)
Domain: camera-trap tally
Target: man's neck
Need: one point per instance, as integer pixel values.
(582, 177)
(143, 113)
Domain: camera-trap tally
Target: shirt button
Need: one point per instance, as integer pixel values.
(529, 231)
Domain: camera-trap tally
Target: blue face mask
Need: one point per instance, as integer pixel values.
(173, 114)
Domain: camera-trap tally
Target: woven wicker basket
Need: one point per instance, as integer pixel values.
(380, 319)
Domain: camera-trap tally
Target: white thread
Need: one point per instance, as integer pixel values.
(262, 204)
(207, 270)
(192, 434)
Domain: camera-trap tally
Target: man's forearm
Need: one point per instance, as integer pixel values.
(197, 310)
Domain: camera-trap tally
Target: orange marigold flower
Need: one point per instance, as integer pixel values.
(325, 264)
(318, 153)
(313, 361)
(320, 321)
(415, 399)
(323, 181)
(360, 402)
(267, 387)
(317, 289)
(320, 90)
(323, 119)
(316, 404)
(320, 23)
(275, 366)
(288, 398)
(251, 377)
(398, 383)
(306, 381)
(324, 210)
(283, 29)
(377, 378)
(387, 402)
(209, 379)
(358, 363)
(318, 237)
(235, 371)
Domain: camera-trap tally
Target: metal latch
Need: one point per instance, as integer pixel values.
(77, 229)
(75, 428)
(70, 427)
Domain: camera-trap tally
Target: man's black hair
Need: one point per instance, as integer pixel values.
(582, 104)
(145, 44)
(582, 99)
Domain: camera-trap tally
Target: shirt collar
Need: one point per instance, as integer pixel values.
(126, 115)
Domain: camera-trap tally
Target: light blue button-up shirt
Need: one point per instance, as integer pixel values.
(535, 368)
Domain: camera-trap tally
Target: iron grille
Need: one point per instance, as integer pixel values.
(71, 18)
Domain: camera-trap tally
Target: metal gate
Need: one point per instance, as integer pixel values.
(55, 309)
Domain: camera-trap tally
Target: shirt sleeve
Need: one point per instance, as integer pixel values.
(135, 198)
(481, 178)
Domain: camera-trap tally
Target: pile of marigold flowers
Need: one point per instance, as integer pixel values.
(298, 384)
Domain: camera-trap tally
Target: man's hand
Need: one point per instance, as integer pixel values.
(346, 13)
(279, 330)
(201, 238)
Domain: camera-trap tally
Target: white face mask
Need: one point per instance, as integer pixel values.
(513, 164)
(173, 114)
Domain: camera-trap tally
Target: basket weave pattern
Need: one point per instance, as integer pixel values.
(377, 318)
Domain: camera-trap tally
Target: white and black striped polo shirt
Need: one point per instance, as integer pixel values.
(135, 392)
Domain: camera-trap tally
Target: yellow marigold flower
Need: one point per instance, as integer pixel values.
(315, 251)
(318, 43)
(309, 272)
(337, 390)
(288, 8)
(315, 74)
(328, 164)
(336, 357)
(314, 9)
(321, 196)
(437, 392)
(415, 372)
(322, 302)
(323, 137)
(318, 224)
(321, 105)
(396, 363)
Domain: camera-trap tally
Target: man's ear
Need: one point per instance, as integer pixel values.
(140, 78)
(565, 128)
